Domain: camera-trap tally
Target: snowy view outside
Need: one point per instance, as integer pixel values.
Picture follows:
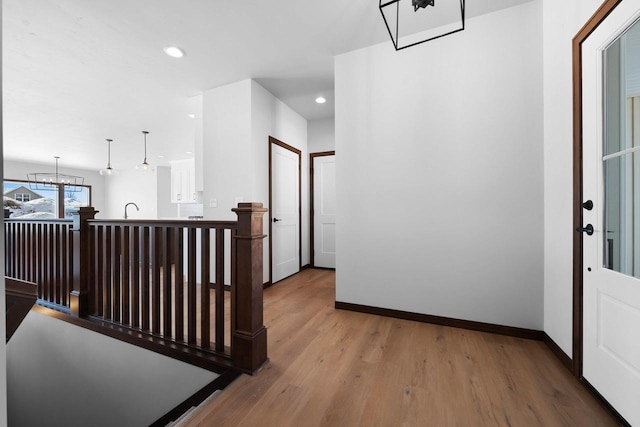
(40, 204)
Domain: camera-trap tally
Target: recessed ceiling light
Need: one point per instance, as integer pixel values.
(160, 156)
(173, 51)
(188, 152)
(192, 116)
(321, 100)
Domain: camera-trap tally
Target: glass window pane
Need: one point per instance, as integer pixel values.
(24, 202)
(622, 225)
(622, 83)
(622, 154)
(75, 197)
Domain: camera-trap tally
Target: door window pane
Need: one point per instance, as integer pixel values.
(621, 159)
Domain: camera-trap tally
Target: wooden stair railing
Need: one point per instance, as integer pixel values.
(20, 297)
(162, 279)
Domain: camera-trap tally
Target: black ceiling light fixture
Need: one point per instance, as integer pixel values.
(51, 180)
(422, 3)
(409, 26)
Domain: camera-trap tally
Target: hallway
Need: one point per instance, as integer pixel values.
(332, 367)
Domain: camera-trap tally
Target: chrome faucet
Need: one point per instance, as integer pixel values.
(126, 206)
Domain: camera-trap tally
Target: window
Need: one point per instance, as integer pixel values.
(55, 202)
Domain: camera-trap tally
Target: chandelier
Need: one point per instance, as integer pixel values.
(51, 180)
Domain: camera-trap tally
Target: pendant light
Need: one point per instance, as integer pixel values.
(108, 171)
(144, 166)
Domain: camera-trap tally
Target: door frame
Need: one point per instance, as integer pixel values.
(274, 141)
(312, 157)
(598, 17)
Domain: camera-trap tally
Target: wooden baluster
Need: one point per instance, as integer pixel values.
(135, 277)
(32, 253)
(108, 270)
(70, 252)
(219, 307)
(50, 263)
(179, 280)
(99, 232)
(18, 250)
(58, 261)
(205, 304)
(78, 299)
(29, 259)
(126, 269)
(156, 251)
(8, 230)
(166, 282)
(191, 286)
(7, 249)
(22, 260)
(64, 266)
(144, 279)
(116, 251)
(42, 243)
(14, 243)
(249, 336)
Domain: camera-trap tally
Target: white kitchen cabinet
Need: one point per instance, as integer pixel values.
(183, 182)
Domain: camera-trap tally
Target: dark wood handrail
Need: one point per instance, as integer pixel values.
(40, 220)
(195, 223)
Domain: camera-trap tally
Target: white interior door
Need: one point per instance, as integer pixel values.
(285, 212)
(324, 211)
(611, 179)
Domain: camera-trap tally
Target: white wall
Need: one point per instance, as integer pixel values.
(165, 209)
(141, 188)
(440, 175)
(322, 135)
(19, 170)
(237, 121)
(226, 148)
(561, 22)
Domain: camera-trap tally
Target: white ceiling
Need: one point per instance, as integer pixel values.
(76, 72)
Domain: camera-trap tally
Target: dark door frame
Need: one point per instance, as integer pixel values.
(274, 141)
(312, 157)
(598, 17)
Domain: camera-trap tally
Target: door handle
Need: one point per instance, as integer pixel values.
(588, 205)
(588, 229)
(276, 219)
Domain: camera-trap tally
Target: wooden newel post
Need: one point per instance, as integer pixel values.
(249, 336)
(79, 295)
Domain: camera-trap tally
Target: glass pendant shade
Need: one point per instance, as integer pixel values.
(108, 171)
(144, 166)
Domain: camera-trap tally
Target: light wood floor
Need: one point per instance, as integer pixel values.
(337, 368)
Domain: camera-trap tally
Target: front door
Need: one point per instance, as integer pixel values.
(611, 189)
(284, 209)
